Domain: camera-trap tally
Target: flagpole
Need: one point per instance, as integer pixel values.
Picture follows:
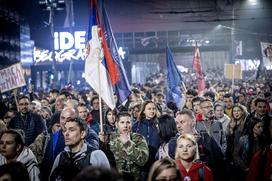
(232, 82)
(99, 94)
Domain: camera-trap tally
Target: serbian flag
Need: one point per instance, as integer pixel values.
(98, 73)
(121, 86)
(198, 69)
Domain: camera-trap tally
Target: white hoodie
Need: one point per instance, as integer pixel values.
(29, 160)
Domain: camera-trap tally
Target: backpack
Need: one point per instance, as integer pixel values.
(70, 165)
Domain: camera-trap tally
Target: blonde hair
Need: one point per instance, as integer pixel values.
(191, 138)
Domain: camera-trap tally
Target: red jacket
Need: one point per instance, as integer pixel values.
(194, 171)
(264, 156)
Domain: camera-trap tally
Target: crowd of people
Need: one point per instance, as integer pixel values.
(221, 133)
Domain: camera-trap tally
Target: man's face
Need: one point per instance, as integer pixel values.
(124, 124)
(59, 105)
(219, 112)
(44, 102)
(8, 147)
(184, 123)
(95, 104)
(261, 108)
(65, 114)
(83, 112)
(72, 134)
(196, 107)
(228, 102)
(24, 105)
(207, 109)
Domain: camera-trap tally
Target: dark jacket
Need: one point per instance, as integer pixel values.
(148, 129)
(50, 155)
(33, 125)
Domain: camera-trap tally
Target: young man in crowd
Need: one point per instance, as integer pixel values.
(32, 124)
(130, 149)
(77, 154)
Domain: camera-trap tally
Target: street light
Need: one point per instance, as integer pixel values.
(52, 6)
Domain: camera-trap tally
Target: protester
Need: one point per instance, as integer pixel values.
(76, 154)
(187, 160)
(221, 116)
(14, 171)
(185, 123)
(147, 127)
(248, 145)
(12, 148)
(260, 165)
(164, 169)
(31, 123)
(167, 130)
(110, 119)
(130, 149)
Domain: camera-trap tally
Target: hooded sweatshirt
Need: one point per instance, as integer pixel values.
(193, 173)
(29, 160)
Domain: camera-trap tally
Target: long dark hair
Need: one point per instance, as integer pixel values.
(251, 139)
(167, 128)
(114, 112)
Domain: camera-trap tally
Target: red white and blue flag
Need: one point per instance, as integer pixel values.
(102, 51)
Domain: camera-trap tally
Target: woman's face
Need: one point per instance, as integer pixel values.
(186, 150)
(168, 174)
(258, 128)
(8, 146)
(111, 117)
(237, 113)
(150, 110)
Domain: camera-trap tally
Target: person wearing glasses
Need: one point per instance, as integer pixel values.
(31, 123)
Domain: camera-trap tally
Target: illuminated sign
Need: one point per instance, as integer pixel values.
(67, 40)
(68, 46)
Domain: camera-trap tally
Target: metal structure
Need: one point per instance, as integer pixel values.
(52, 6)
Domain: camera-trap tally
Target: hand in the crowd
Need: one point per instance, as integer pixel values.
(102, 136)
(124, 137)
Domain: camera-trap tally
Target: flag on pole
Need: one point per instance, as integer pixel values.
(174, 80)
(95, 63)
(198, 69)
(120, 83)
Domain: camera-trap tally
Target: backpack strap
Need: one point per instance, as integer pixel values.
(201, 173)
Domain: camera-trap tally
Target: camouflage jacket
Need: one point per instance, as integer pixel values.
(39, 145)
(131, 155)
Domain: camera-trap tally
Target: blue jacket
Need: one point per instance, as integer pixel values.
(149, 130)
(33, 125)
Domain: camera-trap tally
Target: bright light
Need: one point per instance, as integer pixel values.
(253, 2)
(207, 41)
(121, 53)
(51, 76)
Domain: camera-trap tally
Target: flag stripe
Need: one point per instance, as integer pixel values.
(94, 67)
